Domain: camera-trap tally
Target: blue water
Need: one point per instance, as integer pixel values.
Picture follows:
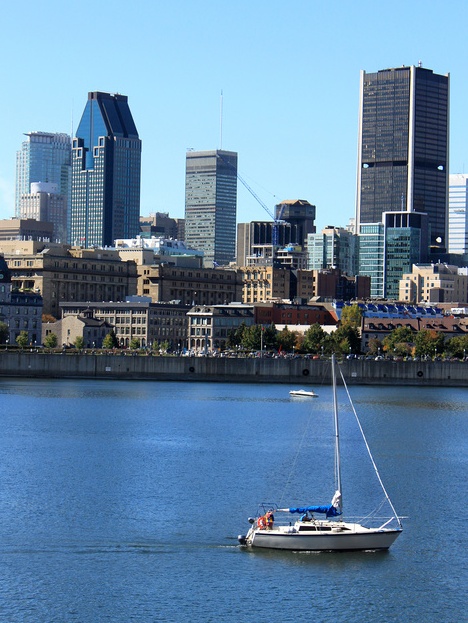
(122, 502)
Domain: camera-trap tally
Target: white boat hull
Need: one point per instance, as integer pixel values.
(344, 537)
(301, 393)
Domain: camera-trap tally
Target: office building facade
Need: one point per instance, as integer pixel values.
(458, 221)
(333, 247)
(406, 243)
(403, 148)
(45, 204)
(372, 257)
(106, 171)
(270, 242)
(44, 157)
(211, 205)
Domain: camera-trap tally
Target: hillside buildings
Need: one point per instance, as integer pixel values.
(134, 318)
(434, 283)
(20, 311)
(270, 283)
(106, 165)
(402, 168)
(64, 273)
(209, 326)
(211, 205)
(189, 284)
(26, 229)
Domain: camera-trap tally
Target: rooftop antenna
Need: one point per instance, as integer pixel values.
(221, 120)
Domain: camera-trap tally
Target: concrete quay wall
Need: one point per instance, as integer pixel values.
(298, 372)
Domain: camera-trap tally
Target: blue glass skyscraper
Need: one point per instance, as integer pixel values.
(106, 167)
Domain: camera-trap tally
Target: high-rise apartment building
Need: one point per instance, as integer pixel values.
(403, 149)
(211, 204)
(403, 146)
(106, 167)
(43, 157)
(458, 217)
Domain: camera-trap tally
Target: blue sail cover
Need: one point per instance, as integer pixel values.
(328, 510)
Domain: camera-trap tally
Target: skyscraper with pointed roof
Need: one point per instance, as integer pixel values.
(106, 168)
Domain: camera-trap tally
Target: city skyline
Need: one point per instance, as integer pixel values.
(289, 78)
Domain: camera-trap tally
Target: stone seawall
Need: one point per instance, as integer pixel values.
(297, 372)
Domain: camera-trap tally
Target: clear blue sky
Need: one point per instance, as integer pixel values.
(289, 73)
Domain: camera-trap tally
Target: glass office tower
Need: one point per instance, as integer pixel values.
(211, 205)
(106, 167)
(403, 147)
(406, 243)
(458, 217)
(43, 157)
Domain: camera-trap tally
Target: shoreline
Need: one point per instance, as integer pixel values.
(294, 371)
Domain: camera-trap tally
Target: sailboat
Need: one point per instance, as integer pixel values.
(330, 532)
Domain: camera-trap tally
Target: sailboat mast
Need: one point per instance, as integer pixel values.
(337, 433)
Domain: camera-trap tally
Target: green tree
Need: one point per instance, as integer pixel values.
(22, 339)
(375, 346)
(164, 346)
(110, 340)
(134, 343)
(79, 342)
(235, 336)
(256, 335)
(314, 339)
(270, 337)
(4, 331)
(428, 343)
(351, 315)
(286, 339)
(457, 346)
(50, 341)
(346, 339)
(399, 341)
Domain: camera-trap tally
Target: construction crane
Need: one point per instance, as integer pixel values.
(276, 220)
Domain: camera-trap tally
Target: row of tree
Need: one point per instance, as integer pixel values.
(401, 342)
(346, 339)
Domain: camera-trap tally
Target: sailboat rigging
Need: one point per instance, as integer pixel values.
(331, 533)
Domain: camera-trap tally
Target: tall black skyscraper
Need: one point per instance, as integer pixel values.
(106, 166)
(403, 147)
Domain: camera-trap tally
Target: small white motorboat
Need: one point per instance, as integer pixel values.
(303, 392)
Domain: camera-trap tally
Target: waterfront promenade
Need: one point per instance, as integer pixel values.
(293, 371)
